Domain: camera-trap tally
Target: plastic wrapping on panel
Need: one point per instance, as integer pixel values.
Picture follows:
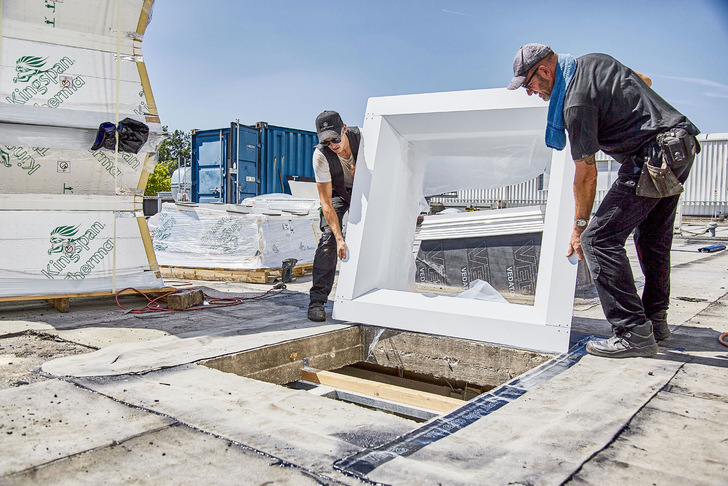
(71, 252)
(66, 67)
(202, 237)
(63, 54)
(58, 83)
(43, 170)
(482, 290)
(42, 78)
(283, 202)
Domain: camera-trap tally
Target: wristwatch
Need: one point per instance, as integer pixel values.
(580, 222)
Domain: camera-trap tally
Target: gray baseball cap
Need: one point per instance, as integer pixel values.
(527, 57)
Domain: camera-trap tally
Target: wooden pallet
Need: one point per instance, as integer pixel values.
(259, 275)
(61, 302)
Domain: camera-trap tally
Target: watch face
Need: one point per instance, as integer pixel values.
(580, 222)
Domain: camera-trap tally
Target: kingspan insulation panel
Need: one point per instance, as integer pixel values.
(59, 80)
(70, 251)
(70, 221)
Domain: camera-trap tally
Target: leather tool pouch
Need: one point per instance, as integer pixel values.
(657, 182)
(672, 150)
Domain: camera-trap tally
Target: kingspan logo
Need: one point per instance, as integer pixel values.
(67, 241)
(39, 77)
(4, 158)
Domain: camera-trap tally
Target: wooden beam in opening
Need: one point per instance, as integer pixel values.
(384, 391)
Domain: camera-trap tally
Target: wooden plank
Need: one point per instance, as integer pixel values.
(148, 245)
(442, 390)
(61, 305)
(415, 398)
(261, 275)
(157, 291)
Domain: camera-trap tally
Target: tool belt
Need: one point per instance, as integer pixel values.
(671, 151)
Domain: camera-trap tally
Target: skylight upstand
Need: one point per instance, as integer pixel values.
(421, 145)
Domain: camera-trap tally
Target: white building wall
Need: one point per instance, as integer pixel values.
(706, 190)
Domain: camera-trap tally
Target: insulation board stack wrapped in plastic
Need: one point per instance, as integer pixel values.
(233, 237)
(71, 215)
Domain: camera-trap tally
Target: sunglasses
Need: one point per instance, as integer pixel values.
(525, 85)
(326, 143)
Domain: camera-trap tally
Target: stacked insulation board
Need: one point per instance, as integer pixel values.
(236, 237)
(71, 217)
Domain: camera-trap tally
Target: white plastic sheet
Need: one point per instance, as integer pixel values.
(202, 237)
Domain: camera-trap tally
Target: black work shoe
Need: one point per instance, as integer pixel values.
(659, 326)
(316, 312)
(628, 344)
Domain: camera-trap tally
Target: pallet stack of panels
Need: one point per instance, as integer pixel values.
(71, 220)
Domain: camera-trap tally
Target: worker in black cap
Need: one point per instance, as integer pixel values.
(604, 105)
(334, 163)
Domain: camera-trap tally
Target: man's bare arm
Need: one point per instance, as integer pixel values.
(325, 190)
(585, 189)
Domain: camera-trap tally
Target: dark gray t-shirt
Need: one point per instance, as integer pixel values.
(608, 107)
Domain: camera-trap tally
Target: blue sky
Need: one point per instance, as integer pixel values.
(284, 61)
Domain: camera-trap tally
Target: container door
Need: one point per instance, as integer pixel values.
(209, 150)
(285, 152)
(245, 161)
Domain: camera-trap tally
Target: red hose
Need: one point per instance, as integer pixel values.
(153, 305)
(721, 339)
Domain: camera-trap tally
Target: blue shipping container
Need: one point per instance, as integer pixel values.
(284, 152)
(230, 164)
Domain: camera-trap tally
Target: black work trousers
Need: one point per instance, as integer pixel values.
(621, 212)
(324, 262)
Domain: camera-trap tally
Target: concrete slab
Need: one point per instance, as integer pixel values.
(21, 355)
(48, 421)
(175, 454)
(166, 352)
(11, 327)
(543, 437)
(675, 439)
(292, 425)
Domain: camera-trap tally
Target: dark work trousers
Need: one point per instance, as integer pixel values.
(324, 262)
(621, 212)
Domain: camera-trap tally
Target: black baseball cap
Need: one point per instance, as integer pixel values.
(329, 125)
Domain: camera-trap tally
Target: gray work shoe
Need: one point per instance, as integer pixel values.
(628, 344)
(316, 312)
(659, 326)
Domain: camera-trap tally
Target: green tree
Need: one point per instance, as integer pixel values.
(174, 148)
(158, 181)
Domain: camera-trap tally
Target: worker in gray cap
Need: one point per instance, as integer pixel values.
(604, 105)
(334, 163)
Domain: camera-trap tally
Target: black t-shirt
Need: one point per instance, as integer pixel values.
(608, 107)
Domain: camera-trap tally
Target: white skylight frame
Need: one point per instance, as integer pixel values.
(462, 140)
